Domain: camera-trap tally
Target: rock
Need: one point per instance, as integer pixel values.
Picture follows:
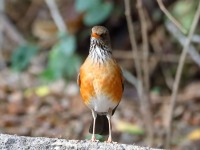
(13, 142)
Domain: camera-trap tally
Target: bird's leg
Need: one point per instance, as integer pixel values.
(109, 114)
(94, 115)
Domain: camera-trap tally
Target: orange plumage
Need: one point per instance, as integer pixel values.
(107, 77)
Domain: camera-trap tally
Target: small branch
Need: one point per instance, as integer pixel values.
(30, 14)
(130, 78)
(182, 40)
(171, 58)
(166, 12)
(161, 57)
(196, 38)
(2, 5)
(132, 38)
(56, 15)
(145, 44)
(178, 74)
(2, 62)
(134, 46)
(144, 107)
(8, 27)
(11, 30)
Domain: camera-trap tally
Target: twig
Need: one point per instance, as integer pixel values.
(2, 63)
(182, 39)
(178, 74)
(169, 58)
(30, 14)
(196, 38)
(132, 38)
(9, 27)
(2, 5)
(133, 45)
(11, 30)
(166, 12)
(158, 51)
(145, 44)
(144, 107)
(130, 78)
(56, 15)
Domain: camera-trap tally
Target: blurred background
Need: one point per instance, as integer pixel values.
(43, 43)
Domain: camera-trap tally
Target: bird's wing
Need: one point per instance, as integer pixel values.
(122, 83)
(78, 80)
(122, 80)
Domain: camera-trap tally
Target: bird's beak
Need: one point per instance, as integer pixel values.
(95, 35)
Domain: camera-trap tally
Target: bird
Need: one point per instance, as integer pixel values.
(101, 82)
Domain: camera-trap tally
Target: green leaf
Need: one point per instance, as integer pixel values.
(22, 55)
(156, 89)
(55, 65)
(62, 62)
(62, 67)
(97, 136)
(73, 64)
(66, 44)
(184, 12)
(98, 14)
(83, 5)
(51, 74)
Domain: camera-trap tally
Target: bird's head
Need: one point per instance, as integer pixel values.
(100, 35)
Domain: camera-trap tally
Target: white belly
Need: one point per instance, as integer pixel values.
(101, 104)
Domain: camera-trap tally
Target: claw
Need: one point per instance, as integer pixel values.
(109, 140)
(93, 139)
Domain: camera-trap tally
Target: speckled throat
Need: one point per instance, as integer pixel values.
(99, 52)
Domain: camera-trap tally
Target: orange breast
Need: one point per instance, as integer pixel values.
(100, 79)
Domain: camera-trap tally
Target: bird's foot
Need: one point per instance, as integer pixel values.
(93, 139)
(109, 140)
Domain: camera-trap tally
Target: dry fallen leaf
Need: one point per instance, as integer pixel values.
(194, 135)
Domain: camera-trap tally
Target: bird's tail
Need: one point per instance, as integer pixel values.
(102, 126)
